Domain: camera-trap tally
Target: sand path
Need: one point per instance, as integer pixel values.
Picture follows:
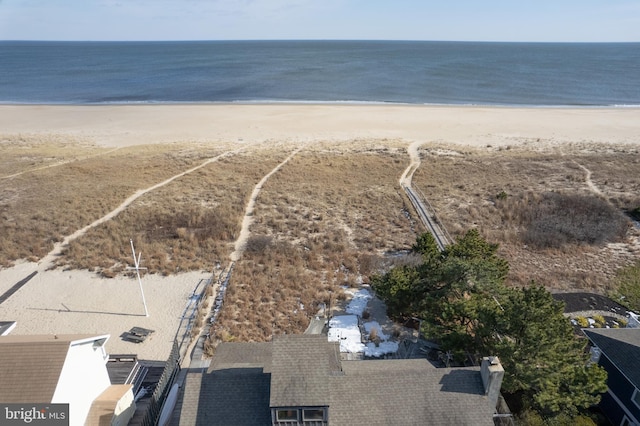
(59, 301)
(48, 261)
(414, 155)
(592, 186)
(245, 233)
(60, 163)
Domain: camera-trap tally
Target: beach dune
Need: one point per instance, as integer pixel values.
(56, 301)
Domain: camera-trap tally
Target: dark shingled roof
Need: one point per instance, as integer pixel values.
(408, 392)
(236, 396)
(234, 391)
(622, 347)
(300, 368)
(246, 379)
(241, 355)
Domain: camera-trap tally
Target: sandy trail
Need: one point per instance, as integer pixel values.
(48, 261)
(414, 155)
(60, 163)
(245, 233)
(592, 186)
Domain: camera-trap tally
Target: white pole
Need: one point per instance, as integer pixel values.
(137, 263)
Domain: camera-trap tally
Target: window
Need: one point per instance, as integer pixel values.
(311, 414)
(287, 415)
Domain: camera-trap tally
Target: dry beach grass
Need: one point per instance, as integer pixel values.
(527, 197)
(322, 221)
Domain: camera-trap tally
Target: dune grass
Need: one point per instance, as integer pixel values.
(327, 219)
(29, 152)
(323, 222)
(189, 224)
(537, 205)
(39, 208)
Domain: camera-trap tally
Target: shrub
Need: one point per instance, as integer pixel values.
(582, 322)
(599, 319)
(258, 243)
(554, 219)
(529, 418)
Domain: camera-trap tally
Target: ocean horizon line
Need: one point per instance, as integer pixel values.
(328, 103)
(320, 40)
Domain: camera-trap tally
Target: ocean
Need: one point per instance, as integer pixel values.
(458, 73)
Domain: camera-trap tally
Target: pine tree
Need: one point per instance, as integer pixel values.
(465, 305)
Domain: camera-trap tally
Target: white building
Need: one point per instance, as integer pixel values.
(68, 369)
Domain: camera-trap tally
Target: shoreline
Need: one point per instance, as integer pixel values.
(275, 102)
(140, 124)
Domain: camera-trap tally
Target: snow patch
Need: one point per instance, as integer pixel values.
(374, 324)
(344, 329)
(382, 349)
(358, 303)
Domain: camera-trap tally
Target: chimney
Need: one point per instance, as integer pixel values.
(492, 373)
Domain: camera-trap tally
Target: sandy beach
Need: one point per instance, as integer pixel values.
(56, 301)
(70, 302)
(121, 125)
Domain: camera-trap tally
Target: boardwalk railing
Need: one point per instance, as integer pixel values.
(223, 284)
(183, 333)
(428, 217)
(169, 374)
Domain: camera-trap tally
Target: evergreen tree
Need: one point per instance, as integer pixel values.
(462, 297)
(545, 361)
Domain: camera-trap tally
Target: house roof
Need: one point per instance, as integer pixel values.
(408, 392)
(622, 347)
(241, 355)
(234, 391)
(30, 366)
(237, 390)
(300, 368)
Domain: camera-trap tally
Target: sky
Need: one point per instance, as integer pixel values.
(460, 20)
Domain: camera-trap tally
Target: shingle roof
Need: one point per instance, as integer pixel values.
(300, 368)
(305, 371)
(235, 390)
(236, 396)
(408, 392)
(236, 355)
(622, 347)
(30, 366)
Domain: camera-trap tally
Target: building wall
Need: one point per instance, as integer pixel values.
(83, 378)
